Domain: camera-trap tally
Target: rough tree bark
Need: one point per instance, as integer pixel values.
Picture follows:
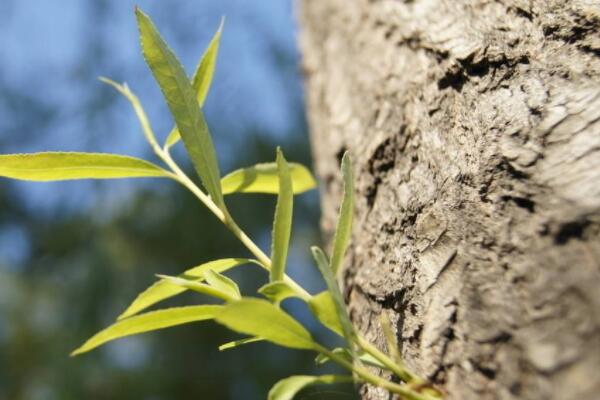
(475, 130)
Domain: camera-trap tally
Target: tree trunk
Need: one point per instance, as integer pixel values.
(475, 131)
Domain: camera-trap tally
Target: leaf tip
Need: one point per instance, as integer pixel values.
(346, 157)
(347, 164)
(280, 160)
(316, 250)
(110, 82)
(77, 352)
(124, 315)
(139, 14)
(226, 346)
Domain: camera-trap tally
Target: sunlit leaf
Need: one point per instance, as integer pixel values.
(223, 283)
(278, 291)
(323, 308)
(336, 295)
(182, 102)
(287, 388)
(260, 318)
(202, 78)
(241, 342)
(282, 224)
(264, 178)
(345, 353)
(162, 290)
(58, 166)
(197, 287)
(149, 322)
(343, 230)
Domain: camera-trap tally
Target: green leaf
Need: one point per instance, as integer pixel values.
(223, 283)
(336, 295)
(282, 225)
(162, 290)
(323, 308)
(343, 230)
(345, 353)
(59, 166)
(287, 388)
(260, 318)
(321, 358)
(149, 322)
(264, 178)
(197, 287)
(278, 291)
(241, 342)
(370, 360)
(202, 78)
(181, 99)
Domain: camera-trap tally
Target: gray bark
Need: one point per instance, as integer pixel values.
(475, 131)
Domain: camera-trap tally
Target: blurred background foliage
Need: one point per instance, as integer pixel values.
(74, 254)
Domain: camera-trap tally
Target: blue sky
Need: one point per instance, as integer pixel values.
(51, 57)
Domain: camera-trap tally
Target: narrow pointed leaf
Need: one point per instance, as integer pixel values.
(202, 78)
(336, 295)
(149, 322)
(323, 308)
(287, 388)
(260, 318)
(173, 137)
(390, 338)
(223, 283)
(282, 225)
(162, 290)
(197, 287)
(137, 108)
(345, 353)
(278, 291)
(264, 178)
(60, 166)
(241, 342)
(321, 358)
(343, 230)
(370, 360)
(182, 102)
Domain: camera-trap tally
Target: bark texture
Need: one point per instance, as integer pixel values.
(475, 131)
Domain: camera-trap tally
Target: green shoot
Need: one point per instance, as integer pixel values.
(260, 319)
(282, 223)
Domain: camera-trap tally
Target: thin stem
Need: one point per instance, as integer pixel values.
(264, 260)
(375, 380)
(400, 370)
(226, 219)
(139, 112)
(191, 186)
(181, 177)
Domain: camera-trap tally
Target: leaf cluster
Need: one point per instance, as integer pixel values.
(260, 319)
